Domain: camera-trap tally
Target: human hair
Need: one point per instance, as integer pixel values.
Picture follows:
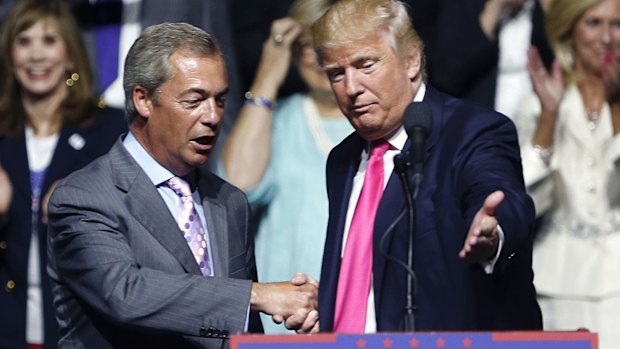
(560, 23)
(348, 21)
(148, 61)
(305, 13)
(79, 105)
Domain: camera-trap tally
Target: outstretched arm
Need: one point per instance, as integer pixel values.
(491, 191)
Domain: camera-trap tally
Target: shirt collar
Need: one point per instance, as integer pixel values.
(153, 169)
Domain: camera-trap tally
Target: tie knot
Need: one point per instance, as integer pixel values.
(379, 147)
(180, 186)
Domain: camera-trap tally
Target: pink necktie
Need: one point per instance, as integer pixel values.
(190, 225)
(356, 267)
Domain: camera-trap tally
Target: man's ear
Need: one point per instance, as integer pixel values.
(413, 63)
(142, 101)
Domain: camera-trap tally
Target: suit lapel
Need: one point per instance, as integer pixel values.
(215, 215)
(343, 184)
(65, 157)
(146, 205)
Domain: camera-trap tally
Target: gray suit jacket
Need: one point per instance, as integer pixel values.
(123, 275)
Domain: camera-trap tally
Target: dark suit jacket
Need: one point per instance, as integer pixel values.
(464, 60)
(15, 233)
(123, 275)
(470, 153)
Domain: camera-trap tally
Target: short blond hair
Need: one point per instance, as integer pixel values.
(352, 20)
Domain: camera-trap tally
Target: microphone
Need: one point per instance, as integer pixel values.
(417, 123)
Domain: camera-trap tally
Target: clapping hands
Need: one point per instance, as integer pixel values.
(549, 86)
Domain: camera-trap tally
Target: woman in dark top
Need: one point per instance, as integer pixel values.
(50, 125)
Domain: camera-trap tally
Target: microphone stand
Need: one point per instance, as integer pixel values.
(401, 166)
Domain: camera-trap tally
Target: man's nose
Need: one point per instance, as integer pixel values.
(211, 114)
(352, 82)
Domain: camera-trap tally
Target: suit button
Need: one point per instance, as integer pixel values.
(3, 245)
(224, 334)
(10, 285)
(512, 255)
(203, 332)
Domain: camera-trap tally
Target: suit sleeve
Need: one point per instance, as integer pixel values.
(92, 256)
(489, 160)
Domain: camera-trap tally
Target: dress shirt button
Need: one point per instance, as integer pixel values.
(10, 285)
(589, 161)
(3, 245)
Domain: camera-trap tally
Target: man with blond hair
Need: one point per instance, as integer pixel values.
(473, 241)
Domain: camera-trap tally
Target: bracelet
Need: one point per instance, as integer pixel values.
(260, 101)
(544, 153)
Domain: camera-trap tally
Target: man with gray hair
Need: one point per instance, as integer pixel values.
(147, 248)
(471, 248)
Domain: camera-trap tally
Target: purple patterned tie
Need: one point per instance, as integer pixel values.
(189, 223)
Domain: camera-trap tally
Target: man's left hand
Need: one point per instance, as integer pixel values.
(483, 237)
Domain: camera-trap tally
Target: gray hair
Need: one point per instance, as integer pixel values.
(148, 61)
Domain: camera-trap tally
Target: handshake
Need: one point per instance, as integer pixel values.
(295, 303)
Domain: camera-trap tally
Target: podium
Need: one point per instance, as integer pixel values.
(422, 340)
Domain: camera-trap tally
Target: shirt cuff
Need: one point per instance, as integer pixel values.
(490, 265)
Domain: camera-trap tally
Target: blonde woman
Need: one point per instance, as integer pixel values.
(571, 160)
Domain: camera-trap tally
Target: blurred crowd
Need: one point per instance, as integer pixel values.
(552, 66)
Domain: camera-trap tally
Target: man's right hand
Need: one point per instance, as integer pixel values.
(294, 302)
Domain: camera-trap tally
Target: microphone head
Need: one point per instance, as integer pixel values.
(418, 115)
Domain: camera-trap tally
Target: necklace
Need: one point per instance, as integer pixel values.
(322, 140)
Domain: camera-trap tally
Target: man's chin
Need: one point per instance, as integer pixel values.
(199, 159)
